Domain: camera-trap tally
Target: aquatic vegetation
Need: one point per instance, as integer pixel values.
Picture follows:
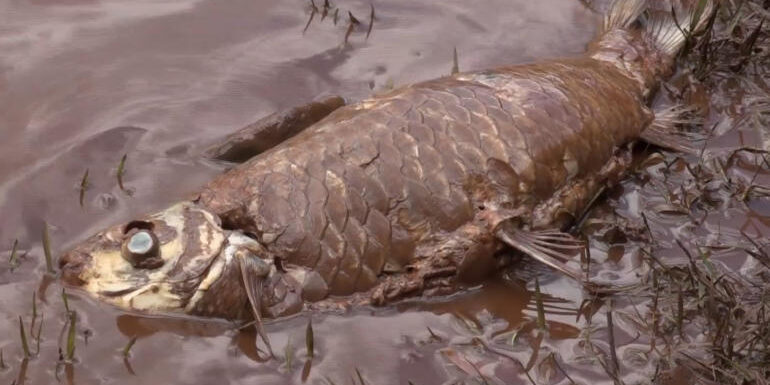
(127, 349)
(84, 184)
(13, 259)
(309, 339)
(121, 170)
(47, 250)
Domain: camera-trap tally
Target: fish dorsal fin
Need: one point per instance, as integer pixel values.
(272, 130)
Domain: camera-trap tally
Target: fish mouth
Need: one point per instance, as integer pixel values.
(71, 265)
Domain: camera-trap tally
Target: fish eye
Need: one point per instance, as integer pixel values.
(142, 250)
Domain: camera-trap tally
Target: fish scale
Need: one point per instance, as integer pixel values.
(403, 168)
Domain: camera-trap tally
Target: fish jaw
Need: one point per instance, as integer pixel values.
(189, 240)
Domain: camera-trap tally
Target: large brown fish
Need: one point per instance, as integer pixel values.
(408, 193)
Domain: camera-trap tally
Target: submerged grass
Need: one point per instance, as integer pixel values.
(127, 348)
(83, 187)
(71, 336)
(23, 337)
(47, 250)
(13, 259)
(121, 171)
(309, 343)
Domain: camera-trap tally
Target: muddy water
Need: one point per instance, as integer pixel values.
(84, 82)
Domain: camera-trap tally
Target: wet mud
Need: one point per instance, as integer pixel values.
(84, 83)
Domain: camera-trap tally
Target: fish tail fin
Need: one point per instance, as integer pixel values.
(623, 13)
(670, 28)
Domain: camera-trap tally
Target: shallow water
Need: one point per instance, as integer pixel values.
(84, 82)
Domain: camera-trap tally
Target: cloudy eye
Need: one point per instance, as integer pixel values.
(142, 250)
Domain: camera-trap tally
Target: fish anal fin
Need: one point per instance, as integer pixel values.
(270, 131)
(663, 131)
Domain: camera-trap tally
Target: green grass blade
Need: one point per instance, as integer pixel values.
(47, 250)
(129, 345)
(23, 334)
(71, 337)
(121, 171)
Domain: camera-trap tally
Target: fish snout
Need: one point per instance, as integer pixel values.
(71, 265)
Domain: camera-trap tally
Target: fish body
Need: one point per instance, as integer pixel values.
(384, 182)
(406, 193)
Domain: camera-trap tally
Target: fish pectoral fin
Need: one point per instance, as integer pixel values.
(270, 131)
(663, 131)
(555, 249)
(551, 247)
(252, 282)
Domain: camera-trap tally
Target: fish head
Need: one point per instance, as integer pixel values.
(181, 260)
(149, 265)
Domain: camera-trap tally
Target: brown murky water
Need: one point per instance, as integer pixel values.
(84, 82)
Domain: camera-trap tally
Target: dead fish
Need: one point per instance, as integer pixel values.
(408, 193)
